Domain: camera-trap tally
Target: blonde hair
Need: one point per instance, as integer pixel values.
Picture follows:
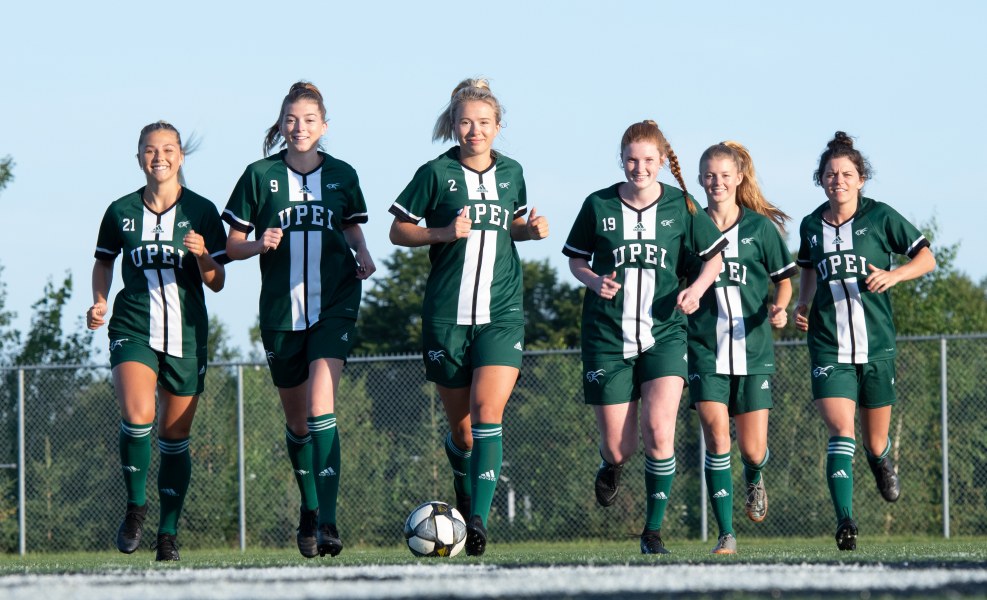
(468, 90)
(648, 131)
(748, 191)
(300, 90)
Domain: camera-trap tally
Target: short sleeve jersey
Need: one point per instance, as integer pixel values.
(311, 275)
(162, 303)
(730, 333)
(848, 323)
(477, 279)
(645, 247)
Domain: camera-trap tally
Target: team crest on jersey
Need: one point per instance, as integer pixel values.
(158, 230)
(594, 376)
(667, 222)
(747, 241)
(183, 224)
(639, 227)
(860, 232)
(114, 344)
(436, 355)
(822, 371)
(482, 189)
(504, 185)
(332, 186)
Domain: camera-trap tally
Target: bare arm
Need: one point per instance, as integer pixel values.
(101, 280)
(365, 266)
(880, 281)
(605, 286)
(778, 310)
(688, 300)
(535, 228)
(412, 235)
(807, 289)
(212, 273)
(238, 247)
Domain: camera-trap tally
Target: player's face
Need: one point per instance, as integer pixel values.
(160, 156)
(720, 179)
(642, 161)
(841, 181)
(476, 128)
(302, 126)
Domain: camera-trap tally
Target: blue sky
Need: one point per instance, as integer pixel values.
(80, 80)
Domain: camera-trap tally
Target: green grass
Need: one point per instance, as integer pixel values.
(914, 552)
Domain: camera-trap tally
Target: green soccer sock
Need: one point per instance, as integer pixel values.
(326, 464)
(876, 458)
(459, 460)
(839, 471)
(135, 459)
(719, 487)
(300, 455)
(658, 476)
(174, 476)
(488, 455)
(752, 472)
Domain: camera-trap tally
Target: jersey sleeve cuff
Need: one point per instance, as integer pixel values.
(237, 223)
(403, 215)
(784, 273)
(715, 249)
(920, 243)
(576, 252)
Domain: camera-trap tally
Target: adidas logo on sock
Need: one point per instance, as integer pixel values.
(659, 496)
(130, 468)
(765, 385)
(488, 476)
(721, 494)
(327, 472)
(301, 472)
(168, 492)
(841, 474)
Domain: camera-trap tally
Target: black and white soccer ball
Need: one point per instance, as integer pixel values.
(435, 529)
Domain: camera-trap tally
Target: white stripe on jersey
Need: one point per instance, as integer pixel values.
(731, 333)
(733, 246)
(481, 191)
(299, 191)
(165, 311)
(851, 328)
(635, 320)
(831, 240)
(305, 294)
(477, 277)
(150, 230)
(639, 230)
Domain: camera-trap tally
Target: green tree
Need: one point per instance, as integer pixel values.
(9, 337)
(6, 171)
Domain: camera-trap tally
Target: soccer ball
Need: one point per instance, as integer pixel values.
(435, 529)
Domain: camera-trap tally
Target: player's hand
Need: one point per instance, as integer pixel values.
(537, 226)
(365, 266)
(271, 239)
(95, 316)
(801, 317)
(460, 226)
(195, 243)
(880, 281)
(777, 316)
(605, 286)
(687, 301)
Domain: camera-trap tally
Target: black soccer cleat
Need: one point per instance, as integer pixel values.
(846, 534)
(476, 537)
(887, 480)
(305, 535)
(607, 483)
(131, 529)
(651, 542)
(329, 542)
(166, 547)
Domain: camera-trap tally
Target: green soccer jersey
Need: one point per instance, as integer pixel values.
(311, 275)
(730, 333)
(645, 248)
(847, 322)
(161, 303)
(477, 279)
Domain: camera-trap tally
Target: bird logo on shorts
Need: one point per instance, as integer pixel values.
(694, 376)
(436, 355)
(270, 357)
(594, 376)
(821, 371)
(114, 344)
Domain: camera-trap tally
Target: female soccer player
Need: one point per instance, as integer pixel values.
(172, 243)
(305, 207)
(473, 200)
(637, 234)
(844, 253)
(731, 352)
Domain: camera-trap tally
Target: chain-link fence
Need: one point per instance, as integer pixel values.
(392, 427)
